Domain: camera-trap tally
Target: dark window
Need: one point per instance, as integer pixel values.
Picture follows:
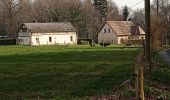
(71, 38)
(24, 29)
(37, 40)
(50, 39)
(104, 30)
(20, 40)
(108, 30)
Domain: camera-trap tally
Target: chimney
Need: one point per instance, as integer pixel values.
(35, 21)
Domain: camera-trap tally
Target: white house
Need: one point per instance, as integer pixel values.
(115, 32)
(47, 34)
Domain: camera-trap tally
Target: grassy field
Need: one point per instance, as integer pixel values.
(62, 72)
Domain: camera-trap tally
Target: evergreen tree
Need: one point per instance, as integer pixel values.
(101, 6)
(125, 13)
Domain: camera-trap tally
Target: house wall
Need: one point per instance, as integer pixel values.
(112, 38)
(141, 36)
(136, 37)
(122, 37)
(106, 36)
(59, 38)
(24, 38)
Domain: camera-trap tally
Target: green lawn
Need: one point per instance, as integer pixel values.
(62, 72)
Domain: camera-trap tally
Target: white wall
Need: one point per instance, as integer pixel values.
(122, 37)
(131, 37)
(112, 37)
(107, 37)
(57, 38)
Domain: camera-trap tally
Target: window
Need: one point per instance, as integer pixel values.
(71, 38)
(37, 40)
(104, 30)
(108, 30)
(20, 40)
(24, 29)
(50, 39)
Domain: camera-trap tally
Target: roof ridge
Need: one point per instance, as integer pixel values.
(50, 27)
(122, 27)
(119, 21)
(48, 23)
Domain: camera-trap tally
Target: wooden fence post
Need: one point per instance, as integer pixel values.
(141, 90)
(139, 83)
(139, 72)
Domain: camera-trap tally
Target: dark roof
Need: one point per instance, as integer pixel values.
(50, 27)
(125, 28)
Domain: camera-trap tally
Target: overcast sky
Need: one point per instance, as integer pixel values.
(130, 3)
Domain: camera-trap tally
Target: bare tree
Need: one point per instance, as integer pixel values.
(82, 14)
(113, 11)
(159, 26)
(10, 9)
(138, 17)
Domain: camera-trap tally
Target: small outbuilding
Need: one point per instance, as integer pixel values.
(117, 32)
(47, 34)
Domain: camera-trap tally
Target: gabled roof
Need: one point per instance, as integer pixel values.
(125, 28)
(50, 27)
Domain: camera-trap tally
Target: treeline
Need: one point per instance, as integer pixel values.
(160, 21)
(160, 26)
(87, 16)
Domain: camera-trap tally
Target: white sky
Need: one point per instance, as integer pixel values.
(130, 3)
